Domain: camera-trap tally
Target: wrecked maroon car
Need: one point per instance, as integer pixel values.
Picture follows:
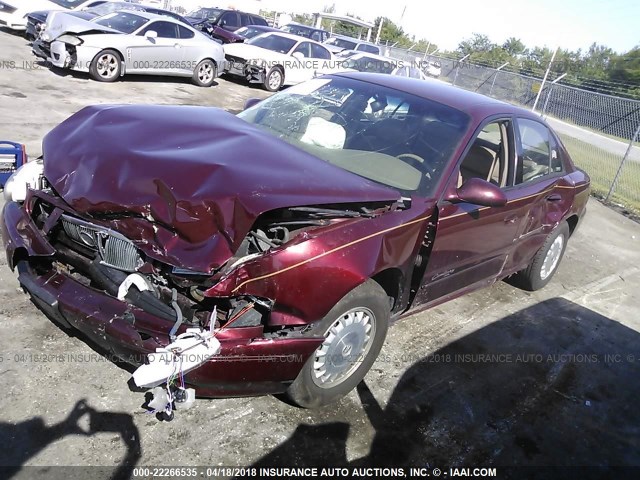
(287, 237)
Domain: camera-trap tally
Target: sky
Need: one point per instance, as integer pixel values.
(570, 24)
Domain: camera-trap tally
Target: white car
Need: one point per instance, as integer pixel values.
(128, 42)
(13, 13)
(275, 59)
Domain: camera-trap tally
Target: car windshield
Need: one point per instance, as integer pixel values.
(111, 7)
(298, 30)
(275, 43)
(211, 14)
(249, 32)
(385, 135)
(362, 63)
(68, 3)
(364, 47)
(341, 43)
(122, 21)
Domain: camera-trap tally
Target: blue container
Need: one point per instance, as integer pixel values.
(12, 156)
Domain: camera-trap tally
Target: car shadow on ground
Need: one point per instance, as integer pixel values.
(551, 385)
(24, 440)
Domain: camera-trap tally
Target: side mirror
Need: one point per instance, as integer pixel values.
(297, 55)
(151, 34)
(481, 192)
(251, 102)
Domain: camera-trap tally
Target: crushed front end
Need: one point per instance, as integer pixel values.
(87, 276)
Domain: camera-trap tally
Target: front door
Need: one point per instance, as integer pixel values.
(473, 242)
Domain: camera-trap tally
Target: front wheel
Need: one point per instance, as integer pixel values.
(274, 79)
(106, 66)
(546, 261)
(354, 331)
(205, 73)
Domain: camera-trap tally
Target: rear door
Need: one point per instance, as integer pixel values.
(539, 177)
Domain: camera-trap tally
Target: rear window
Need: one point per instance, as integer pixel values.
(256, 20)
(124, 22)
(341, 43)
(363, 47)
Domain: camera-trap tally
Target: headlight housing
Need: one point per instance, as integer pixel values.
(27, 176)
(70, 39)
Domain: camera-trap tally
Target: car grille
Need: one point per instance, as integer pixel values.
(7, 8)
(114, 249)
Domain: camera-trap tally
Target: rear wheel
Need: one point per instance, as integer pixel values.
(205, 73)
(274, 79)
(354, 331)
(546, 261)
(106, 66)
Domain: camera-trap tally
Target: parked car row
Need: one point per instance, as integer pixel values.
(110, 39)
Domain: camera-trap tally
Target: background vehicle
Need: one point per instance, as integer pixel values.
(367, 62)
(221, 24)
(338, 43)
(251, 31)
(130, 42)
(87, 10)
(306, 223)
(317, 34)
(13, 13)
(277, 59)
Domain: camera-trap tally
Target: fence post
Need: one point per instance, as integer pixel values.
(544, 79)
(624, 159)
(458, 67)
(546, 102)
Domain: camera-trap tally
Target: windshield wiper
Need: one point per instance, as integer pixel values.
(331, 212)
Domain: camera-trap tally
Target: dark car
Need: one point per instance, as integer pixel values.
(221, 24)
(317, 34)
(36, 21)
(250, 31)
(296, 231)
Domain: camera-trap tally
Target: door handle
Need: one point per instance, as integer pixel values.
(177, 45)
(554, 197)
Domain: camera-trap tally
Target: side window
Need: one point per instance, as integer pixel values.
(255, 20)
(163, 29)
(245, 19)
(185, 32)
(320, 52)
(488, 157)
(229, 19)
(303, 48)
(536, 153)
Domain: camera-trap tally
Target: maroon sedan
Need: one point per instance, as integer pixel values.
(289, 236)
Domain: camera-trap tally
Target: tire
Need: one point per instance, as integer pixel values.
(346, 355)
(274, 79)
(205, 73)
(545, 263)
(106, 66)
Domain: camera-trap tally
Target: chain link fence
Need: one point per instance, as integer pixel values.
(600, 131)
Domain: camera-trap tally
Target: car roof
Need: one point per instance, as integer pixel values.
(362, 53)
(458, 98)
(148, 15)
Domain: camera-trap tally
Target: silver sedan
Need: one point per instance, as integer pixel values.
(128, 42)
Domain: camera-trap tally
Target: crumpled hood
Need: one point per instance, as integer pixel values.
(59, 22)
(187, 183)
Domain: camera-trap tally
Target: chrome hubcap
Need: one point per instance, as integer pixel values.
(205, 73)
(274, 79)
(346, 344)
(107, 66)
(552, 258)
